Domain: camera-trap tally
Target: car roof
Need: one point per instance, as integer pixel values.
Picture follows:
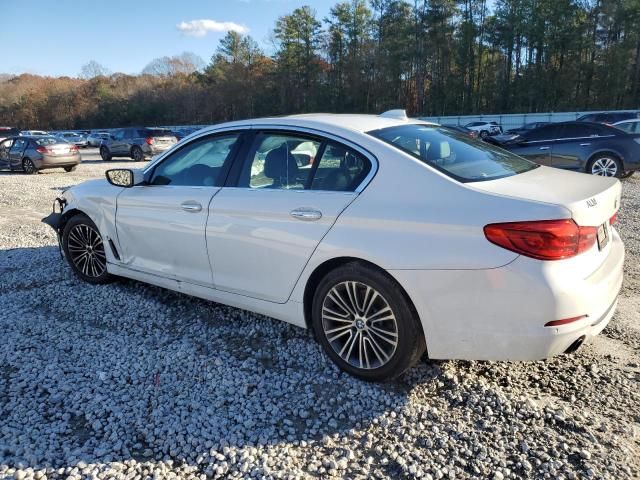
(630, 120)
(331, 122)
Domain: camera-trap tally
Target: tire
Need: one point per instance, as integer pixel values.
(484, 134)
(628, 174)
(81, 239)
(104, 153)
(70, 169)
(334, 318)
(137, 154)
(29, 167)
(605, 165)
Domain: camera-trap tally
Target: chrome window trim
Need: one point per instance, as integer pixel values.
(590, 137)
(267, 126)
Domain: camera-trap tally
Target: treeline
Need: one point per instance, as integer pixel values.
(432, 57)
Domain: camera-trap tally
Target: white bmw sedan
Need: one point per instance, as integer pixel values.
(387, 236)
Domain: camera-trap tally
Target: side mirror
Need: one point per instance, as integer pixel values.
(124, 177)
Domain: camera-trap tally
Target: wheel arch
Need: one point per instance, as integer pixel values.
(331, 264)
(604, 151)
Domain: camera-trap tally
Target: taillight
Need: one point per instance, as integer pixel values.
(42, 150)
(613, 219)
(73, 148)
(149, 140)
(543, 239)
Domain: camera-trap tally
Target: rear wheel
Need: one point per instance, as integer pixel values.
(85, 250)
(484, 134)
(104, 153)
(70, 169)
(605, 165)
(29, 167)
(137, 154)
(365, 323)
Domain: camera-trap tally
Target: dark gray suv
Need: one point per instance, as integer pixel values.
(583, 146)
(137, 143)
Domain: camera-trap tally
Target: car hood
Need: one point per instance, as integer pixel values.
(591, 199)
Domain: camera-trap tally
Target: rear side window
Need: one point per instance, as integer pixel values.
(47, 141)
(549, 132)
(454, 154)
(340, 169)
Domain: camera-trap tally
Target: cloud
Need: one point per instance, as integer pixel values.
(200, 28)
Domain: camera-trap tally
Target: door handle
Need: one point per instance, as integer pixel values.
(307, 214)
(191, 206)
(585, 144)
(544, 148)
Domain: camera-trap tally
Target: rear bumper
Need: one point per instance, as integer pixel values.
(58, 162)
(499, 314)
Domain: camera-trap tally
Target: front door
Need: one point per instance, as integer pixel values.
(5, 146)
(16, 151)
(263, 229)
(161, 225)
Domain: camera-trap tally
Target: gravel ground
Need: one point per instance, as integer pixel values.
(133, 381)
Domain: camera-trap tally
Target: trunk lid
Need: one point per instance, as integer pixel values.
(592, 200)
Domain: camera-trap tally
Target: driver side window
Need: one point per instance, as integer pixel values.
(197, 164)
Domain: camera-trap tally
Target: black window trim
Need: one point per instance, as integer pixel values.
(319, 135)
(226, 168)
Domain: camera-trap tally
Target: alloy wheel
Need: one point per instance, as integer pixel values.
(138, 156)
(605, 167)
(28, 166)
(87, 250)
(359, 325)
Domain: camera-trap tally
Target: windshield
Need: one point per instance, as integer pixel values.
(454, 154)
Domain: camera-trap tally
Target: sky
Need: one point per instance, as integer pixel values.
(57, 37)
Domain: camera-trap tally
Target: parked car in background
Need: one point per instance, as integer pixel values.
(6, 132)
(525, 128)
(522, 260)
(137, 143)
(608, 118)
(629, 126)
(484, 129)
(461, 129)
(95, 139)
(33, 153)
(30, 133)
(74, 138)
(582, 146)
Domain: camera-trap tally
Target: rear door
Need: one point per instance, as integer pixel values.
(161, 225)
(536, 144)
(574, 147)
(284, 197)
(117, 145)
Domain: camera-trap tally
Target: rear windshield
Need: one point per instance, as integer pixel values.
(454, 154)
(48, 141)
(158, 132)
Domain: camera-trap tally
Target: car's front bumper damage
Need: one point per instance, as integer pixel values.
(54, 220)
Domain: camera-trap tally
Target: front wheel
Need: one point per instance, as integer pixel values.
(84, 250)
(104, 154)
(365, 323)
(605, 165)
(484, 134)
(29, 167)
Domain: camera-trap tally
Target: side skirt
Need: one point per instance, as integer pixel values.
(290, 312)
